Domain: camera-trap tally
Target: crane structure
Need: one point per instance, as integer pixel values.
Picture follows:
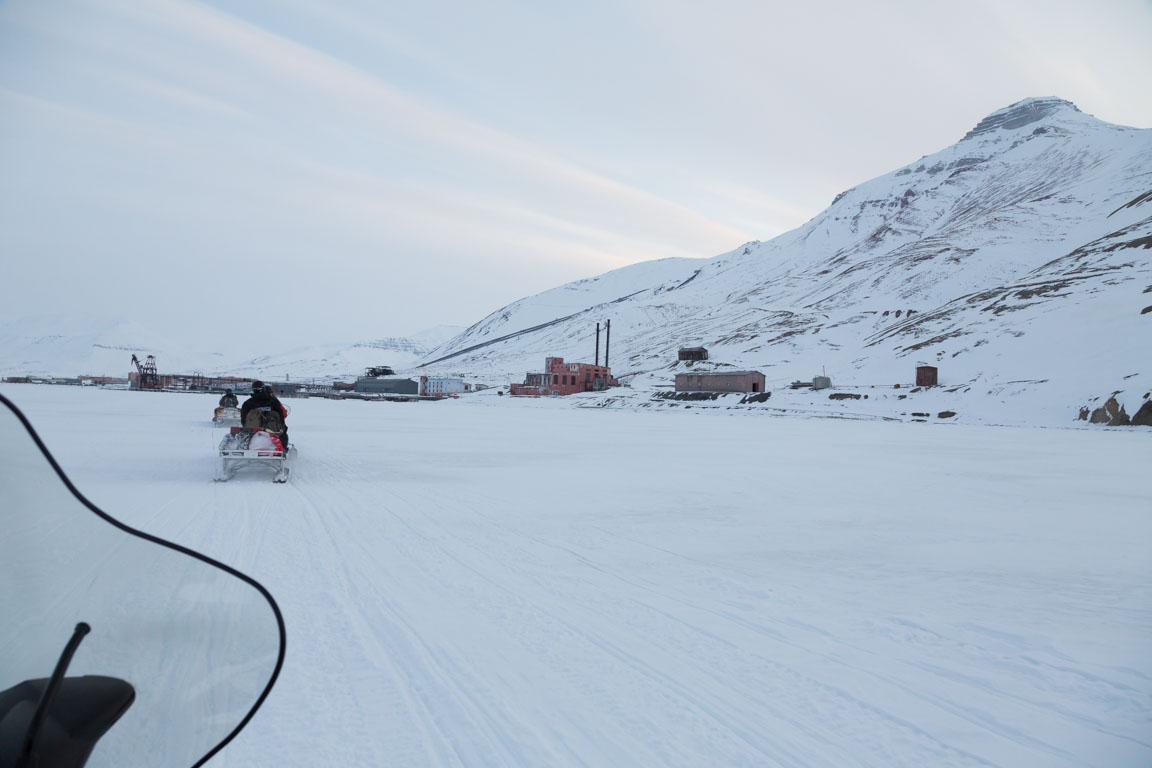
(149, 379)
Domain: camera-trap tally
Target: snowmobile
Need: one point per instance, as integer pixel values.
(117, 647)
(226, 416)
(245, 447)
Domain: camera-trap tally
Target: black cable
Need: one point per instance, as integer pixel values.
(190, 552)
(50, 689)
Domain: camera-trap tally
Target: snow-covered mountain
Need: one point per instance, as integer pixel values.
(67, 345)
(344, 361)
(1020, 255)
(71, 345)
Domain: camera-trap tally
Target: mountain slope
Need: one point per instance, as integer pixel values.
(1020, 252)
(71, 345)
(344, 361)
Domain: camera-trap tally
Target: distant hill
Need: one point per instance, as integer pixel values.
(62, 345)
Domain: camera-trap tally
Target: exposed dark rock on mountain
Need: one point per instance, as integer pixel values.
(1020, 114)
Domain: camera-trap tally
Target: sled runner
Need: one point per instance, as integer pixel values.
(245, 447)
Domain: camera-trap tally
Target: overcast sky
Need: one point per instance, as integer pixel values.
(349, 169)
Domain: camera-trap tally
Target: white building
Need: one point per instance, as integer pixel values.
(433, 385)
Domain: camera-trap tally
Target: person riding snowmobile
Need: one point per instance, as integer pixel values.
(229, 400)
(263, 411)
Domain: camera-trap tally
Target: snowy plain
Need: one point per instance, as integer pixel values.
(497, 582)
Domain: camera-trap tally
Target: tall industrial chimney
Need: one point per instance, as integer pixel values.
(607, 339)
(597, 343)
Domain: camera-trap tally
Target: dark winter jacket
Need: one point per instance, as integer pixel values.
(229, 401)
(262, 401)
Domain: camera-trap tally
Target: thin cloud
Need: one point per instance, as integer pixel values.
(370, 97)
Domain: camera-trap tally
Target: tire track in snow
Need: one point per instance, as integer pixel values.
(399, 650)
(607, 648)
(391, 689)
(725, 718)
(972, 715)
(441, 674)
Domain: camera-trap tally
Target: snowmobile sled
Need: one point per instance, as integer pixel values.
(116, 647)
(245, 447)
(226, 416)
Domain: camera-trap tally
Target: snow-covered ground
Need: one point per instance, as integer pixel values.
(497, 582)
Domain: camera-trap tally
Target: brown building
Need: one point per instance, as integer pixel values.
(720, 381)
(926, 376)
(692, 353)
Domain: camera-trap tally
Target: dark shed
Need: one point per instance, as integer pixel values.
(693, 353)
(926, 376)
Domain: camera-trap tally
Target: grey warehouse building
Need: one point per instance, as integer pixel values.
(387, 385)
(720, 381)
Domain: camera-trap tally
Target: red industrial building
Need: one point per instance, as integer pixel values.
(561, 378)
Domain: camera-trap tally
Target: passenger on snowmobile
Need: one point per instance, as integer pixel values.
(263, 411)
(229, 400)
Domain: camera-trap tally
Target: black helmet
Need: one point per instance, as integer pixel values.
(227, 391)
(257, 386)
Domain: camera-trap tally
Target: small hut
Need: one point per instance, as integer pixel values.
(926, 376)
(693, 353)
